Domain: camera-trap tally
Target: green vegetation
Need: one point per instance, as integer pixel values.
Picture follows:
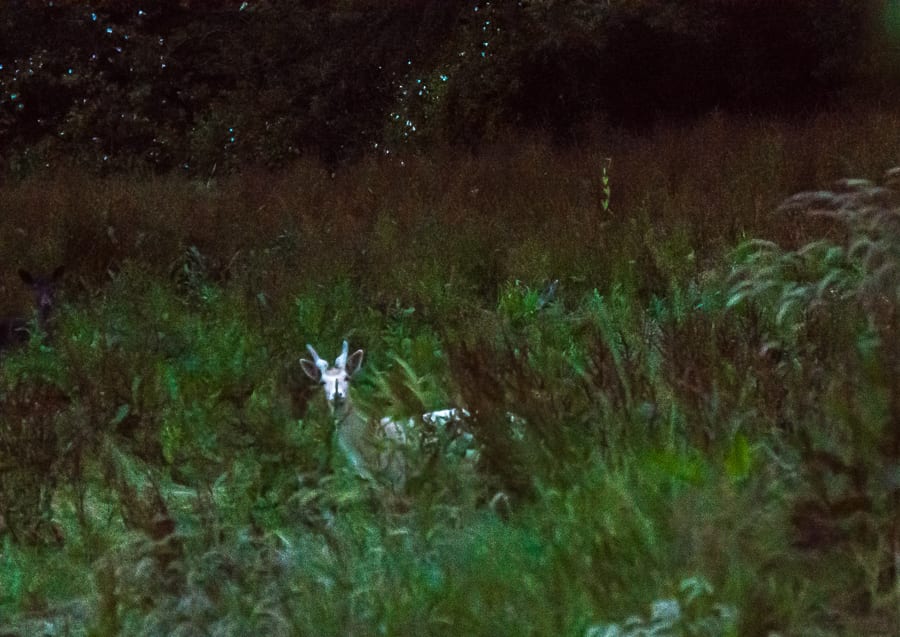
(705, 438)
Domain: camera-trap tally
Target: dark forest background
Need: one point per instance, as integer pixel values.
(195, 85)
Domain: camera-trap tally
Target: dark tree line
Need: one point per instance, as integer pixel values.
(198, 85)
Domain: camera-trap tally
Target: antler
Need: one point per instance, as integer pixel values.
(318, 360)
(341, 361)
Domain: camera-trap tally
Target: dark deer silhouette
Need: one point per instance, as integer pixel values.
(15, 330)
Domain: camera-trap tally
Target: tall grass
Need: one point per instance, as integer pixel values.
(696, 435)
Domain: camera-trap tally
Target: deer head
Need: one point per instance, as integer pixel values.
(43, 288)
(334, 379)
(15, 330)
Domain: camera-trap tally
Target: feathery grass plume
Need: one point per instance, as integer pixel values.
(860, 266)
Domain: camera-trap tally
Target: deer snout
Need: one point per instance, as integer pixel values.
(336, 394)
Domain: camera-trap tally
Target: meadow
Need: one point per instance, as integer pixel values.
(707, 410)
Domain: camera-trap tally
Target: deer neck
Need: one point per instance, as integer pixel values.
(43, 317)
(344, 415)
(351, 428)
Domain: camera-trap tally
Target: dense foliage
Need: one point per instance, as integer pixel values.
(618, 234)
(205, 87)
(696, 434)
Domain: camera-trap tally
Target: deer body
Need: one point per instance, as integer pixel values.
(374, 449)
(16, 330)
(380, 449)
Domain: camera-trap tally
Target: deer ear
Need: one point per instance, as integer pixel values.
(26, 277)
(354, 362)
(311, 369)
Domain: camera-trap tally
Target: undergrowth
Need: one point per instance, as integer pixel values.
(684, 398)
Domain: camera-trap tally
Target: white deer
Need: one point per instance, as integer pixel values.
(374, 449)
(15, 330)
